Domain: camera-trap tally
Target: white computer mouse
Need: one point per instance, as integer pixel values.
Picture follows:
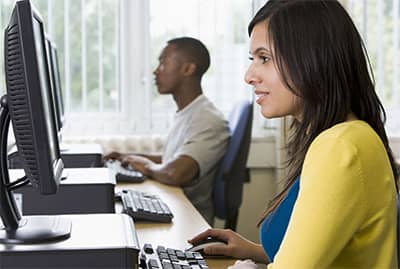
(209, 241)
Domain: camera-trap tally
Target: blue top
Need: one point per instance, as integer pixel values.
(273, 228)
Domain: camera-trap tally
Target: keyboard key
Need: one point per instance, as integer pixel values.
(153, 263)
(148, 249)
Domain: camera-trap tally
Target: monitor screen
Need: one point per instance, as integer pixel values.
(29, 106)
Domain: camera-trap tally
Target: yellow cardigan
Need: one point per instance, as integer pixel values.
(345, 213)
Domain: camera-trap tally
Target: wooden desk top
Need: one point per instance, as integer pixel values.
(187, 221)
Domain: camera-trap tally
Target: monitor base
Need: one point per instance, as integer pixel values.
(37, 229)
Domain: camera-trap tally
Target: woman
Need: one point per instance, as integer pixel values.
(338, 208)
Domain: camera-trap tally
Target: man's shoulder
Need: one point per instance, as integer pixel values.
(208, 111)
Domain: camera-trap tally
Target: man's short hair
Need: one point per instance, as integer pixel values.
(194, 51)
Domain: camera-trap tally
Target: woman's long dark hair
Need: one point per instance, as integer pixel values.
(322, 59)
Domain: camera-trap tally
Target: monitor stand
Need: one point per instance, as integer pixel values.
(37, 229)
(17, 229)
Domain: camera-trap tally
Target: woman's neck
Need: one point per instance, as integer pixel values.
(351, 116)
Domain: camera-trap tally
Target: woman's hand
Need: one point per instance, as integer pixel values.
(236, 245)
(246, 264)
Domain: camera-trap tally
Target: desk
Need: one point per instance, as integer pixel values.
(186, 223)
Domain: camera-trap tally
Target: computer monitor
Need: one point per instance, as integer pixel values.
(56, 90)
(28, 105)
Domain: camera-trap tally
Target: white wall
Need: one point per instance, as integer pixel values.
(395, 146)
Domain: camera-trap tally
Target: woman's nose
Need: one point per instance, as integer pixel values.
(249, 76)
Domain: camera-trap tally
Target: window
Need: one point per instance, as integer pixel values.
(108, 50)
(379, 24)
(86, 33)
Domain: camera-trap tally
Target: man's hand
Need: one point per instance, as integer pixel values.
(114, 156)
(138, 163)
(177, 172)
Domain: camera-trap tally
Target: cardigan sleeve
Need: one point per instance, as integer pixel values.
(329, 208)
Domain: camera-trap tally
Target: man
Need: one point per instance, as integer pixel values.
(199, 134)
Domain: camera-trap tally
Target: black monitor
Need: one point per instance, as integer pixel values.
(56, 90)
(28, 105)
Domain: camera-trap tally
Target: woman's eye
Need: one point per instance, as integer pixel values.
(264, 59)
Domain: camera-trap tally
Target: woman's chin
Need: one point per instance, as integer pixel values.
(269, 115)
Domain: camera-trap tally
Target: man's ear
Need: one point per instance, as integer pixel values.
(189, 69)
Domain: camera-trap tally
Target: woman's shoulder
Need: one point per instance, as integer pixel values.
(348, 144)
(356, 133)
(351, 147)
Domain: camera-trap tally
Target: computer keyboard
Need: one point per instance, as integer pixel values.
(124, 174)
(168, 258)
(142, 206)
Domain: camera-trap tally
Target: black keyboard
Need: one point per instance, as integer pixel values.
(124, 174)
(142, 206)
(168, 258)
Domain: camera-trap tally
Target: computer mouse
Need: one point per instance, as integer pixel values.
(209, 241)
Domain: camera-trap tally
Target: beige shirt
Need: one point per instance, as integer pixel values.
(201, 132)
